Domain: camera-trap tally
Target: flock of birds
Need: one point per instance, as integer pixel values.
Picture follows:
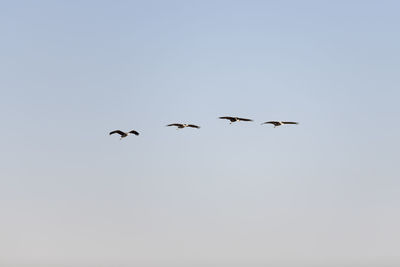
(184, 125)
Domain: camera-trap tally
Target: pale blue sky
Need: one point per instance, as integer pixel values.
(323, 193)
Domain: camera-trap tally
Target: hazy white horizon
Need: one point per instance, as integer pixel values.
(321, 193)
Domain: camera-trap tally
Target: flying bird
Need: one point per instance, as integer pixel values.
(123, 134)
(279, 123)
(183, 125)
(234, 119)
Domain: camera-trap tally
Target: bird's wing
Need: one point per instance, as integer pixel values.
(244, 119)
(134, 132)
(118, 132)
(226, 118)
(289, 122)
(271, 122)
(175, 124)
(194, 126)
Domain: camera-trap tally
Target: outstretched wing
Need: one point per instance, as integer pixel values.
(226, 118)
(271, 122)
(193, 126)
(289, 122)
(134, 132)
(244, 119)
(175, 124)
(118, 132)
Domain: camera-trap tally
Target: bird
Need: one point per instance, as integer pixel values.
(183, 125)
(279, 123)
(123, 134)
(234, 119)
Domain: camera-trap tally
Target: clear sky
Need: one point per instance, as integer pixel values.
(325, 192)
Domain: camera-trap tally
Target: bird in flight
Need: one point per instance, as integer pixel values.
(234, 119)
(279, 123)
(123, 134)
(182, 125)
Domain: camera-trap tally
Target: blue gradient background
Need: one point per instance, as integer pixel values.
(323, 193)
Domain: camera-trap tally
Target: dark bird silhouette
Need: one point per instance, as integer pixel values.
(123, 134)
(183, 125)
(234, 119)
(279, 123)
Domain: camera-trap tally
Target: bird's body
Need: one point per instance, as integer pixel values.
(183, 125)
(234, 119)
(279, 123)
(124, 134)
